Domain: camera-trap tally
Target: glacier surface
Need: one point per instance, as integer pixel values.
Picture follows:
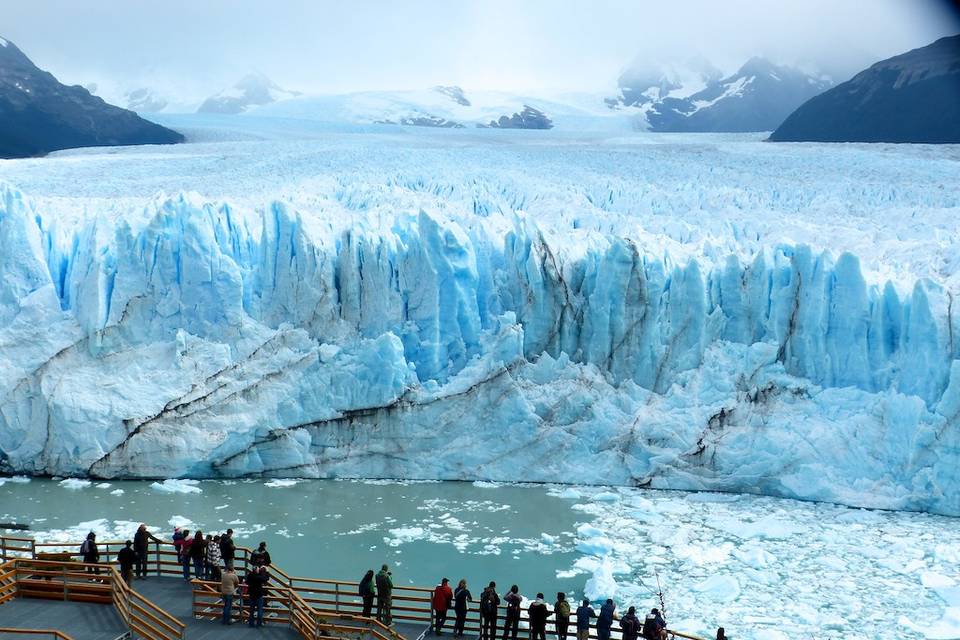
(685, 312)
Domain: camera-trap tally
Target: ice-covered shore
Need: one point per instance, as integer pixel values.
(425, 328)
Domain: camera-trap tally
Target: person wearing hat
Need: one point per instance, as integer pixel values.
(384, 595)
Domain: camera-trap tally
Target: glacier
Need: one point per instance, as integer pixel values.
(660, 312)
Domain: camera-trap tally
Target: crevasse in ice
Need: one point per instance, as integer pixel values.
(200, 340)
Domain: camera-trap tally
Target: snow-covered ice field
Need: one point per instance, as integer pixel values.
(284, 298)
(761, 567)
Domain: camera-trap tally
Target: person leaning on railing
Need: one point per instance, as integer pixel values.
(367, 591)
(90, 553)
(385, 596)
(229, 584)
(461, 596)
(141, 541)
(489, 605)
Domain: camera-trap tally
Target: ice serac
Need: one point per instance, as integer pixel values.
(199, 340)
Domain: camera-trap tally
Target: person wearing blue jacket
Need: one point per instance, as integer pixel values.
(605, 619)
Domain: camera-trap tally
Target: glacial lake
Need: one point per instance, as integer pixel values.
(761, 567)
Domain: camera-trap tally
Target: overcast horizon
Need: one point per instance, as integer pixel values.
(317, 47)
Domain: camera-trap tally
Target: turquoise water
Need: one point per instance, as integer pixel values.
(761, 567)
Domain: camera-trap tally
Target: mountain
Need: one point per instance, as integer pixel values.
(527, 118)
(252, 90)
(38, 114)
(913, 97)
(145, 100)
(755, 98)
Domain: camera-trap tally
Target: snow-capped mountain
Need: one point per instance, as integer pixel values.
(756, 98)
(145, 100)
(252, 90)
(38, 114)
(454, 107)
(913, 97)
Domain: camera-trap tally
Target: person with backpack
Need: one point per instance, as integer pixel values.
(489, 605)
(654, 626)
(385, 595)
(228, 549)
(608, 613)
(127, 558)
(367, 592)
(512, 623)
(440, 603)
(178, 543)
(561, 612)
(198, 554)
(90, 553)
(537, 613)
(584, 613)
(630, 625)
(461, 596)
(260, 557)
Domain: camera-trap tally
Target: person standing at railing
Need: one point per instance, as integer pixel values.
(561, 612)
(229, 584)
(257, 580)
(442, 599)
(489, 605)
(214, 561)
(630, 625)
(141, 541)
(584, 613)
(654, 626)
(538, 613)
(185, 545)
(127, 557)
(385, 596)
(178, 536)
(90, 552)
(608, 613)
(260, 557)
(198, 553)
(367, 592)
(512, 623)
(228, 549)
(461, 596)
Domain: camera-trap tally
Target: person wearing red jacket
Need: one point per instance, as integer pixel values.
(442, 598)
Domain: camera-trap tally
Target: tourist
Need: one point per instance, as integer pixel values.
(178, 536)
(367, 592)
(654, 626)
(538, 613)
(605, 619)
(127, 558)
(198, 554)
(229, 584)
(90, 553)
(214, 561)
(489, 605)
(257, 579)
(228, 549)
(185, 543)
(141, 539)
(584, 613)
(385, 595)
(442, 599)
(561, 612)
(721, 634)
(461, 596)
(510, 625)
(630, 625)
(260, 557)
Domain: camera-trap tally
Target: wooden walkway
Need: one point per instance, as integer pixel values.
(80, 620)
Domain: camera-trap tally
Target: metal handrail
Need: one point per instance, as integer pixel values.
(58, 635)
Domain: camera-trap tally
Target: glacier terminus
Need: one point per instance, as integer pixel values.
(704, 312)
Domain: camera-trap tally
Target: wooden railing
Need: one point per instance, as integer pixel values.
(52, 633)
(337, 599)
(92, 583)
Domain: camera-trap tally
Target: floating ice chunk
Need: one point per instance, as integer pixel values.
(180, 521)
(484, 484)
(947, 628)
(75, 483)
(103, 485)
(721, 588)
(567, 494)
(601, 584)
(755, 557)
(589, 531)
(548, 539)
(599, 546)
(15, 480)
(606, 496)
(281, 482)
(177, 486)
(117, 492)
(769, 527)
(401, 535)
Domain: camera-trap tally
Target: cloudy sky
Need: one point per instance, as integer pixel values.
(196, 47)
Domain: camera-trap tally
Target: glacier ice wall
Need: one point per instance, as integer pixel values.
(201, 340)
